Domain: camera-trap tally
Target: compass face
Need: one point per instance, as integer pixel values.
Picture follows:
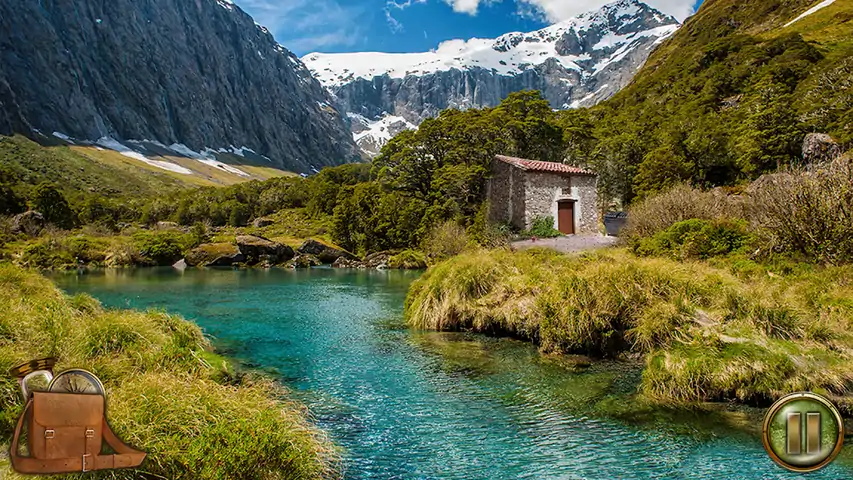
(76, 381)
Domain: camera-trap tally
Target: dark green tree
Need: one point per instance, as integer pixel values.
(49, 201)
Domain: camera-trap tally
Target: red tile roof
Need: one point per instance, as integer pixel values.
(549, 167)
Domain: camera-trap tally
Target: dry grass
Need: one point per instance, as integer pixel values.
(163, 396)
(708, 334)
(677, 205)
(808, 210)
(805, 211)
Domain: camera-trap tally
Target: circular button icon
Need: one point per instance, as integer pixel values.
(803, 432)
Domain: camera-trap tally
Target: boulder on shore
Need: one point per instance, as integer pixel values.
(323, 252)
(214, 255)
(259, 249)
(29, 223)
(820, 147)
(262, 222)
(378, 260)
(304, 260)
(344, 262)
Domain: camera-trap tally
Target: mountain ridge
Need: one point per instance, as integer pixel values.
(199, 74)
(578, 62)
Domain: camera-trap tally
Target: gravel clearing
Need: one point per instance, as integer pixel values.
(570, 244)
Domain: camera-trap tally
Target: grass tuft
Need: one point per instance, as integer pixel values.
(706, 332)
(197, 421)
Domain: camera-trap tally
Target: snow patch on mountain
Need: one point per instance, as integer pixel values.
(816, 8)
(113, 144)
(372, 135)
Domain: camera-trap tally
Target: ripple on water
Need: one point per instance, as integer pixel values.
(410, 405)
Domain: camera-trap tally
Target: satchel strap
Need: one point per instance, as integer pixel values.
(124, 457)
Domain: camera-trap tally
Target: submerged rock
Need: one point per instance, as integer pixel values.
(29, 223)
(263, 250)
(323, 252)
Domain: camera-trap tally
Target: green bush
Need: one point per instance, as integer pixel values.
(696, 239)
(543, 227)
(408, 260)
(162, 248)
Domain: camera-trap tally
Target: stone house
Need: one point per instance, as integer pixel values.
(519, 191)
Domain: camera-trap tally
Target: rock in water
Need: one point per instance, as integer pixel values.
(820, 147)
(195, 72)
(29, 223)
(324, 253)
(262, 250)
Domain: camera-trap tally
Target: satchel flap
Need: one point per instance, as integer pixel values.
(67, 409)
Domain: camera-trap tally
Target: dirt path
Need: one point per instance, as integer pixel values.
(574, 243)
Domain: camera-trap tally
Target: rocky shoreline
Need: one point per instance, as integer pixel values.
(258, 251)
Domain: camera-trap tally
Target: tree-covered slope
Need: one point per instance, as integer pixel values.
(731, 95)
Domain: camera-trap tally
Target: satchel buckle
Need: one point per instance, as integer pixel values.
(90, 433)
(85, 457)
(49, 434)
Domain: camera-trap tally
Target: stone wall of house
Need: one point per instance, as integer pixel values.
(585, 190)
(506, 194)
(545, 190)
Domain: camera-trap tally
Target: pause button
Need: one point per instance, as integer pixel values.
(803, 432)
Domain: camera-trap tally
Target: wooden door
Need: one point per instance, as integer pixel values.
(566, 218)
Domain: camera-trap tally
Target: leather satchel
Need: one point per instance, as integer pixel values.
(65, 433)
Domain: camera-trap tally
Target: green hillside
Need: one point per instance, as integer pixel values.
(83, 170)
(730, 96)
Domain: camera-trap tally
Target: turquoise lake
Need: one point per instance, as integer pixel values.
(417, 405)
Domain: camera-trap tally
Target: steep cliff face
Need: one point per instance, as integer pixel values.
(575, 63)
(198, 74)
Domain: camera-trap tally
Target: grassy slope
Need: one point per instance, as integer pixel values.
(194, 420)
(89, 169)
(730, 331)
(681, 79)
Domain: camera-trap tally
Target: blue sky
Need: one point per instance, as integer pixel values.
(306, 26)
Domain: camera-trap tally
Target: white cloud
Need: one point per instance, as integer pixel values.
(558, 10)
(465, 6)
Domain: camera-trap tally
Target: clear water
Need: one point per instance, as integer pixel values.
(415, 405)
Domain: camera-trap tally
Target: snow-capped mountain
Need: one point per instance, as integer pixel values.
(574, 63)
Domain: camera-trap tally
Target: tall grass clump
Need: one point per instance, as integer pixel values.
(162, 395)
(706, 333)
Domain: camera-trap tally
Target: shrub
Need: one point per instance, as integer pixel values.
(445, 240)
(807, 211)
(678, 204)
(408, 260)
(696, 239)
(543, 227)
(49, 201)
(162, 247)
(487, 234)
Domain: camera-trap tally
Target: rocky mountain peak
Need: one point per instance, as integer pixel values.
(574, 63)
(199, 76)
